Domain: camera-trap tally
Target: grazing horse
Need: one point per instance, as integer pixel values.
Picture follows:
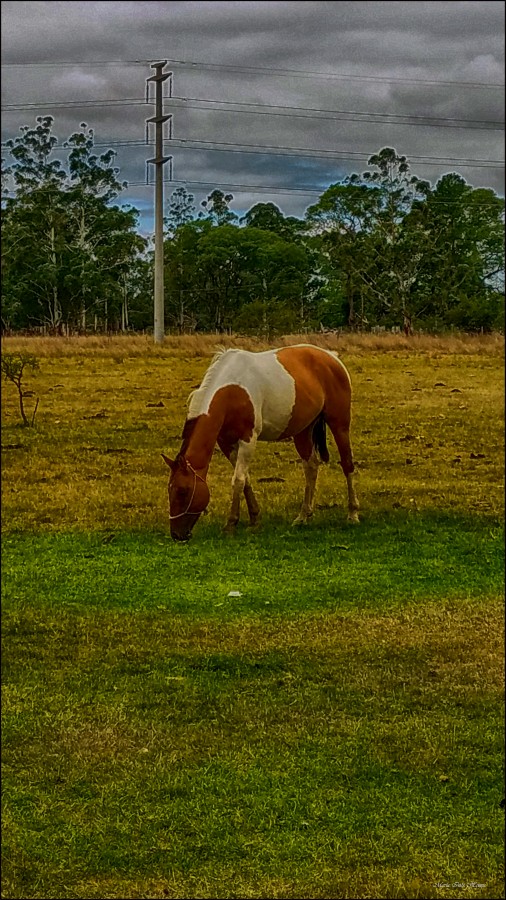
(292, 392)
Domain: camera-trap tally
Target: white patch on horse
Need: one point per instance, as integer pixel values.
(255, 373)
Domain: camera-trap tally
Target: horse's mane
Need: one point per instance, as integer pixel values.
(194, 396)
(188, 428)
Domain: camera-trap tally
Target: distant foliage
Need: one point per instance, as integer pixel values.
(70, 254)
(378, 249)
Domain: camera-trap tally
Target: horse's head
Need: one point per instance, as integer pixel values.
(188, 497)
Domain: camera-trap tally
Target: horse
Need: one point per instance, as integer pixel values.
(272, 395)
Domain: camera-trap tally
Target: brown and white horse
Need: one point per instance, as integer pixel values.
(292, 392)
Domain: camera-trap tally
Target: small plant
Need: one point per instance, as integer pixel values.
(13, 367)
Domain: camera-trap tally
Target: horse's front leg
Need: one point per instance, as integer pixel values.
(240, 484)
(252, 504)
(251, 500)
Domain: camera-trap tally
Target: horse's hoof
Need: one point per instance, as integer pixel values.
(353, 519)
(300, 521)
(229, 529)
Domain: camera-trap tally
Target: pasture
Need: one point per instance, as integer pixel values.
(313, 712)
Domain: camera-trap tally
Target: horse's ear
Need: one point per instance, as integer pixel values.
(170, 462)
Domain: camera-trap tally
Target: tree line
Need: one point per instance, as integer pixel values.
(381, 248)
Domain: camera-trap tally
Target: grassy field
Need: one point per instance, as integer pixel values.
(312, 713)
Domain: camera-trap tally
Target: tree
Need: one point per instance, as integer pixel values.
(67, 246)
(32, 166)
(274, 276)
(268, 217)
(362, 223)
(96, 176)
(217, 208)
(463, 268)
(216, 273)
(38, 181)
(345, 219)
(181, 210)
(13, 368)
(184, 286)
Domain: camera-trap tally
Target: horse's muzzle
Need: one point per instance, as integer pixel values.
(181, 538)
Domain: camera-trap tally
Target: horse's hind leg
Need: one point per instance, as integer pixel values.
(341, 433)
(306, 450)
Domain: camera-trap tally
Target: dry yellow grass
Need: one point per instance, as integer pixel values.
(205, 344)
(428, 429)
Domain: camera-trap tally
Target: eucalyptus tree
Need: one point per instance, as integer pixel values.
(32, 221)
(274, 279)
(69, 246)
(462, 277)
(219, 277)
(269, 217)
(185, 291)
(181, 210)
(104, 238)
(361, 222)
(217, 209)
(344, 220)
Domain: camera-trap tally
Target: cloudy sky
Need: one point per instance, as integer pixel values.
(270, 101)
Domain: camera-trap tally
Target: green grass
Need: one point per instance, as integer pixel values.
(388, 561)
(335, 731)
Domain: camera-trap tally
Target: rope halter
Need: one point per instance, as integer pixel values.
(187, 510)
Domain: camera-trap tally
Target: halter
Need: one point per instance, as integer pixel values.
(187, 510)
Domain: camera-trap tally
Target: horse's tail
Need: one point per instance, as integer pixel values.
(320, 438)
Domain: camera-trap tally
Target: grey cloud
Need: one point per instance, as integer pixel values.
(393, 41)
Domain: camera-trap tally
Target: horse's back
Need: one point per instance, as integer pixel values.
(288, 387)
(322, 385)
(291, 386)
(305, 360)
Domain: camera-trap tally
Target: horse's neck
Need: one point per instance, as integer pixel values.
(198, 449)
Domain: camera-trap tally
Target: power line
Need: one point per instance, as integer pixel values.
(260, 70)
(246, 188)
(265, 109)
(274, 189)
(249, 188)
(245, 107)
(71, 104)
(295, 152)
(338, 154)
(239, 188)
(308, 151)
(337, 117)
(312, 74)
(256, 189)
(82, 63)
(300, 153)
(344, 112)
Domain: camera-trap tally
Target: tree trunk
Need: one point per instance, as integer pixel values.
(349, 297)
(55, 310)
(124, 307)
